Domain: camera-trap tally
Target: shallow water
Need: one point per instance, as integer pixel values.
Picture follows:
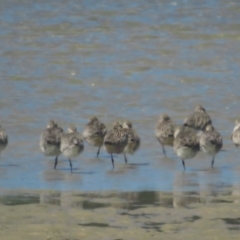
(70, 60)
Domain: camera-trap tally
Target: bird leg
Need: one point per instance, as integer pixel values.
(98, 151)
(125, 157)
(213, 161)
(164, 151)
(56, 162)
(70, 163)
(183, 163)
(112, 160)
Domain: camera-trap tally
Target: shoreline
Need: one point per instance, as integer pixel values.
(114, 215)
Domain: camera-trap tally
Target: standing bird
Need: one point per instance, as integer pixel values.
(165, 131)
(94, 133)
(236, 134)
(210, 141)
(199, 119)
(71, 144)
(186, 143)
(50, 141)
(133, 139)
(115, 140)
(3, 139)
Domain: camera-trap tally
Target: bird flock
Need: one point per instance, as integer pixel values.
(120, 139)
(195, 134)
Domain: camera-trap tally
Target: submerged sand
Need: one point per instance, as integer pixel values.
(54, 215)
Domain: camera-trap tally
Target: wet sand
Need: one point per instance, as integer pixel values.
(111, 215)
(117, 61)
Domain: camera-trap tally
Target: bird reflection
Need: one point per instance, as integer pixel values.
(185, 189)
(236, 186)
(50, 197)
(188, 188)
(61, 177)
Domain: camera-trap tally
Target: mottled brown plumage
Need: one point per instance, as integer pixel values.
(186, 143)
(71, 144)
(94, 133)
(3, 139)
(236, 133)
(50, 140)
(133, 139)
(199, 119)
(210, 142)
(165, 131)
(115, 140)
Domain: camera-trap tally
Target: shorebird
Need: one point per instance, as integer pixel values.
(94, 133)
(3, 139)
(50, 141)
(133, 139)
(199, 119)
(186, 143)
(71, 144)
(210, 141)
(165, 131)
(115, 140)
(236, 133)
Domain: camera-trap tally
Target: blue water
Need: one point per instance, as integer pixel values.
(117, 60)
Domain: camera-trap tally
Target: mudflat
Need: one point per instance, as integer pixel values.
(70, 215)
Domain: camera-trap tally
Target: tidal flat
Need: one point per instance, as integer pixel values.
(72, 215)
